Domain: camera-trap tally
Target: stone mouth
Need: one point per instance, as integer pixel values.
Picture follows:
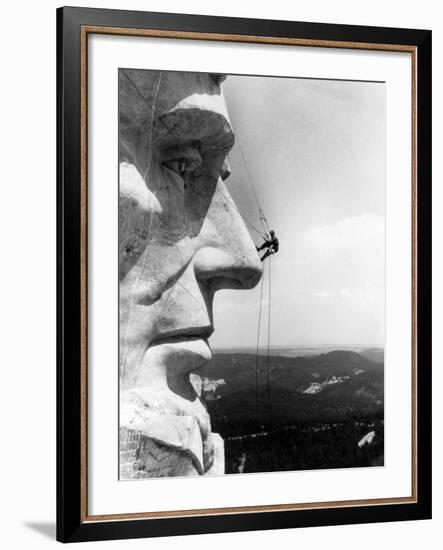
(183, 335)
(180, 352)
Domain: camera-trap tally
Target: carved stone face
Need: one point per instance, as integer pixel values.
(181, 239)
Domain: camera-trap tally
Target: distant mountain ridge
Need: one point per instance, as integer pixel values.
(360, 387)
(373, 352)
(238, 370)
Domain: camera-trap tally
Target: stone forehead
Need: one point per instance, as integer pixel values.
(175, 108)
(144, 93)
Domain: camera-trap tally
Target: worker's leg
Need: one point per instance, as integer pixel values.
(268, 253)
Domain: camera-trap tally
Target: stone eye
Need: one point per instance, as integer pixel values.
(179, 166)
(182, 161)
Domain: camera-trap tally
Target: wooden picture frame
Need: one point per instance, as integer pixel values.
(74, 25)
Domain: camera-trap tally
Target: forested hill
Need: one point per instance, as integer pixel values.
(342, 391)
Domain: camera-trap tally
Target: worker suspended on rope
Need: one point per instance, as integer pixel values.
(271, 245)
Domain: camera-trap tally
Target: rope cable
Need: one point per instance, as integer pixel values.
(257, 349)
(251, 185)
(245, 219)
(269, 334)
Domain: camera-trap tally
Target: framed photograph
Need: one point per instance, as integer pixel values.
(244, 274)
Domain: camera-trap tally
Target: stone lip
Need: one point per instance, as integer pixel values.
(178, 335)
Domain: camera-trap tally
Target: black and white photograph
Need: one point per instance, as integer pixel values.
(219, 321)
(251, 273)
(243, 274)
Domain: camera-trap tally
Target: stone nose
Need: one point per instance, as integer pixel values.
(227, 257)
(220, 268)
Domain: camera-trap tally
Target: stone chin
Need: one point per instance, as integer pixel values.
(165, 429)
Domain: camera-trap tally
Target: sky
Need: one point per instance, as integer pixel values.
(315, 150)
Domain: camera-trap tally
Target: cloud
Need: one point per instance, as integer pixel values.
(327, 287)
(347, 256)
(360, 233)
(329, 294)
(345, 263)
